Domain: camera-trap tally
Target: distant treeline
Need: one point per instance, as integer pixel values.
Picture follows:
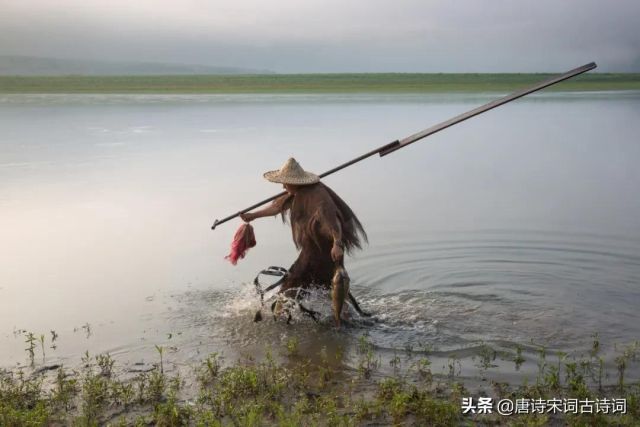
(311, 83)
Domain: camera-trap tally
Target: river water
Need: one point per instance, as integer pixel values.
(520, 227)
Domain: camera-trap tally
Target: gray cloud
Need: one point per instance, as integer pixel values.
(332, 35)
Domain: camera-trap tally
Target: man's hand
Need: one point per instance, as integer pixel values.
(336, 252)
(247, 217)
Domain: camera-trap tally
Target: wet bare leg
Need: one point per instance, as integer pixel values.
(288, 291)
(307, 311)
(357, 307)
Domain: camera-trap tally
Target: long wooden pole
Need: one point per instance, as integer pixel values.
(398, 144)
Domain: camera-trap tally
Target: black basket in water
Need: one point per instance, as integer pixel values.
(270, 271)
(282, 272)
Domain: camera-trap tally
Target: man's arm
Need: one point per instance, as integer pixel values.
(279, 205)
(334, 229)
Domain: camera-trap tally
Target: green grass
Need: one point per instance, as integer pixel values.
(295, 391)
(311, 83)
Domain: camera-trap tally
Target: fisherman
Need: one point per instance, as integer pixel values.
(324, 227)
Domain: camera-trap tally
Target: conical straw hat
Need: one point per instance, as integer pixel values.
(292, 173)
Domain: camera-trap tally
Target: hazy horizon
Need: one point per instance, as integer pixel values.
(332, 37)
(192, 68)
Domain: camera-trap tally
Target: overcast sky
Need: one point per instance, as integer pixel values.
(332, 35)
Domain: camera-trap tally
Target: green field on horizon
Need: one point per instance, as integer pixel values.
(311, 83)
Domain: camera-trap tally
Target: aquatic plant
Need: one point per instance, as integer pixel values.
(30, 340)
(105, 362)
(423, 369)
(208, 371)
(367, 362)
(395, 362)
(54, 337)
(487, 356)
(65, 389)
(298, 391)
(42, 347)
(595, 345)
(452, 363)
(87, 329)
(518, 359)
(160, 351)
(292, 346)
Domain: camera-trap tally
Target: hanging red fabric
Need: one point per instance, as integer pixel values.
(243, 240)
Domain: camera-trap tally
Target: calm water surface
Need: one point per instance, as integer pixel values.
(520, 227)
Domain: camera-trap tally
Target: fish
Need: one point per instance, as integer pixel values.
(339, 292)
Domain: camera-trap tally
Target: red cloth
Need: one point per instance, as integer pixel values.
(243, 240)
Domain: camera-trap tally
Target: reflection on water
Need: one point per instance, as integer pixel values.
(517, 228)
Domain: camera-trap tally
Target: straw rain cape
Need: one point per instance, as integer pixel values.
(314, 209)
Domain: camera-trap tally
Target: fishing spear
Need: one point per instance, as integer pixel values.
(401, 143)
